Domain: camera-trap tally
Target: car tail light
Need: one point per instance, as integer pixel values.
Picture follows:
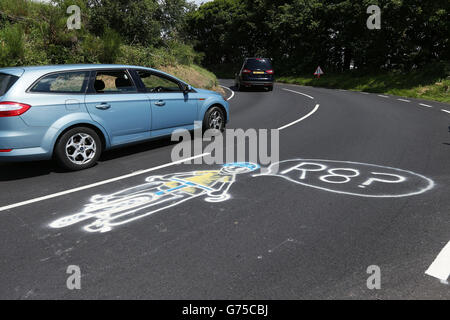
(6, 150)
(13, 109)
(246, 71)
(269, 71)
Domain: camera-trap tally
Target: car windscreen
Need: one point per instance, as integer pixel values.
(6, 82)
(254, 64)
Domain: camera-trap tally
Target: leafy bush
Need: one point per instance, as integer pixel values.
(111, 46)
(184, 54)
(11, 46)
(15, 7)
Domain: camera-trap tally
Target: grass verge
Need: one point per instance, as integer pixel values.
(420, 84)
(195, 76)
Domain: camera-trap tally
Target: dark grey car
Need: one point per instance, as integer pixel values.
(255, 72)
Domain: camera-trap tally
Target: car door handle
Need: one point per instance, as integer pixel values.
(103, 106)
(160, 103)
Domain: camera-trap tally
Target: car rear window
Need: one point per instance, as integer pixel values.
(64, 82)
(263, 64)
(6, 82)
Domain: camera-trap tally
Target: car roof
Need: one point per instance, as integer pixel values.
(64, 67)
(42, 70)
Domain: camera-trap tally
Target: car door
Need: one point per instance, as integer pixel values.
(171, 107)
(114, 102)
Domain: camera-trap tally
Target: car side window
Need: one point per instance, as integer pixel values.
(64, 82)
(114, 82)
(155, 83)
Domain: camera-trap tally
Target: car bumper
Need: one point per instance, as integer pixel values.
(25, 142)
(26, 154)
(265, 83)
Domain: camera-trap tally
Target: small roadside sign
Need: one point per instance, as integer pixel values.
(318, 72)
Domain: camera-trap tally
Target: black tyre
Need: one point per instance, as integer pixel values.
(214, 119)
(240, 87)
(78, 149)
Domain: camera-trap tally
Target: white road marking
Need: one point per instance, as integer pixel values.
(232, 92)
(303, 94)
(425, 105)
(440, 268)
(364, 92)
(382, 96)
(100, 183)
(301, 119)
(445, 110)
(403, 100)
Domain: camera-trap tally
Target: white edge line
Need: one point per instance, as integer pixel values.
(100, 183)
(440, 268)
(301, 119)
(303, 94)
(404, 100)
(232, 92)
(425, 105)
(445, 110)
(382, 96)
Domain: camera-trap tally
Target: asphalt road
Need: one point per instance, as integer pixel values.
(275, 238)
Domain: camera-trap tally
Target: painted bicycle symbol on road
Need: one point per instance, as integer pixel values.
(103, 213)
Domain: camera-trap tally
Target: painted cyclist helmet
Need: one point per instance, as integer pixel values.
(241, 167)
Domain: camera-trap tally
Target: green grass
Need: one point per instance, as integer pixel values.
(425, 84)
(195, 76)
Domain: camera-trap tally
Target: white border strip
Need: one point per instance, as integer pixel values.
(425, 105)
(301, 119)
(100, 183)
(445, 110)
(303, 94)
(403, 100)
(232, 92)
(440, 268)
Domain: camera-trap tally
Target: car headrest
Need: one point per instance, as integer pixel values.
(122, 83)
(99, 85)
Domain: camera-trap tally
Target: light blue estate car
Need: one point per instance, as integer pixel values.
(74, 112)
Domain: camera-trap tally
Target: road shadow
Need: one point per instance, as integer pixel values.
(234, 88)
(252, 89)
(10, 171)
(136, 149)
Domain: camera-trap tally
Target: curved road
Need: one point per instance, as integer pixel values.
(299, 234)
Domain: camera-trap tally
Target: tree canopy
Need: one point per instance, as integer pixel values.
(301, 34)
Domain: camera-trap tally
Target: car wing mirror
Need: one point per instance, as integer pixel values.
(186, 88)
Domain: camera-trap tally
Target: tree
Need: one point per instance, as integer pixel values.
(301, 34)
(137, 21)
